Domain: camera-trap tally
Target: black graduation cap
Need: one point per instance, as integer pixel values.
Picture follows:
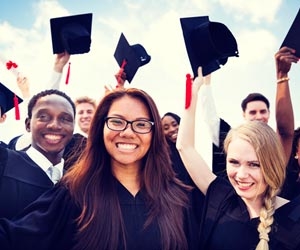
(7, 99)
(292, 39)
(71, 33)
(134, 57)
(208, 44)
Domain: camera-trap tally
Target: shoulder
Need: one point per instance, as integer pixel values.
(287, 223)
(219, 193)
(280, 202)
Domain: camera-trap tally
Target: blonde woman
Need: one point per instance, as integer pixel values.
(243, 212)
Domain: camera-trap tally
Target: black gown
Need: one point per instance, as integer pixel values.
(49, 223)
(177, 164)
(2, 144)
(291, 186)
(219, 157)
(227, 225)
(21, 182)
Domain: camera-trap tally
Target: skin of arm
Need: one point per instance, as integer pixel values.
(283, 105)
(193, 161)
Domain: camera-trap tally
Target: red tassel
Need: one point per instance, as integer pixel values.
(10, 65)
(68, 74)
(123, 64)
(188, 91)
(17, 110)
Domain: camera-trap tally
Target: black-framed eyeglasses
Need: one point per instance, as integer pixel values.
(119, 124)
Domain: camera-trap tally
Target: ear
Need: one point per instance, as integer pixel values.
(3, 118)
(27, 124)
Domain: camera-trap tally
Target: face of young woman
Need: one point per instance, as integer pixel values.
(244, 172)
(127, 148)
(170, 127)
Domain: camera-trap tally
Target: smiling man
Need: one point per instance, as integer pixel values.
(85, 109)
(25, 175)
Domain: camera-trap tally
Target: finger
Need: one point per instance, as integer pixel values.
(200, 71)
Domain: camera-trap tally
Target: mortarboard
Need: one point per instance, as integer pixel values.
(292, 39)
(8, 99)
(71, 33)
(208, 44)
(131, 57)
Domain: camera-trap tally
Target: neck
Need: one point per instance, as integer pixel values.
(128, 176)
(253, 207)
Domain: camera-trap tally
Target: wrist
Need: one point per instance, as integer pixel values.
(282, 80)
(58, 68)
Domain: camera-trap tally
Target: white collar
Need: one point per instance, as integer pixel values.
(42, 161)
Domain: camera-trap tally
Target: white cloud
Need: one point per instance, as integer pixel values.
(159, 31)
(257, 10)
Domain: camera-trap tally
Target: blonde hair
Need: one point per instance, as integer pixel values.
(85, 99)
(271, 157)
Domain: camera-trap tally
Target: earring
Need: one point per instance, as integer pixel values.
(296, 157)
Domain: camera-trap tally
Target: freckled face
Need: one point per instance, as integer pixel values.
(127, 147)
(244, 171)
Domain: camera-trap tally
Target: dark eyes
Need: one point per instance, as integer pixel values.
(44, 117)
(250, 164)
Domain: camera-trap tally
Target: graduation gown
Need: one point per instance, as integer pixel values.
(219, 157)
(21, 182)
(50, 223)
(227, 224)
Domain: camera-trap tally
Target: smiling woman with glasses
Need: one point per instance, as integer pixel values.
(121, 194)
(139, 126)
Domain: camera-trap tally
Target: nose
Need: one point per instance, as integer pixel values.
(259, 117)
(84, 115)
(127, 130)
(54, 124)
(242, 172)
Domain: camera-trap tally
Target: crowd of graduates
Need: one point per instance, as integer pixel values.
(130, 177)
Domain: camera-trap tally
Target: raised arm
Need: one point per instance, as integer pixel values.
(284, 109)
(193, 161)
(59, 64)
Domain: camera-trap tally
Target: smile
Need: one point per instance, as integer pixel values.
(126, 146)
(244, 185)
(53, 138)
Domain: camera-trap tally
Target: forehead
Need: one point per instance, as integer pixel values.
(168, 119)
(256, 105)
(84, 106)
(241, 149)
(53, 102)
(129, 107)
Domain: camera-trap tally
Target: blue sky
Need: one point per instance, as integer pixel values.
(259, 27)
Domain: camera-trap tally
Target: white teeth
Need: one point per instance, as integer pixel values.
(126, 146)
(244, 184)
(174, 135)
(53, 137)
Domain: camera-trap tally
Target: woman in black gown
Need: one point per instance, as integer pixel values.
(243, 212)
(121, 194)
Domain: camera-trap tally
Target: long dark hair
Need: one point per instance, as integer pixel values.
(93, 186)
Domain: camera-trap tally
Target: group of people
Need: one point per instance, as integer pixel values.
(139, 183)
